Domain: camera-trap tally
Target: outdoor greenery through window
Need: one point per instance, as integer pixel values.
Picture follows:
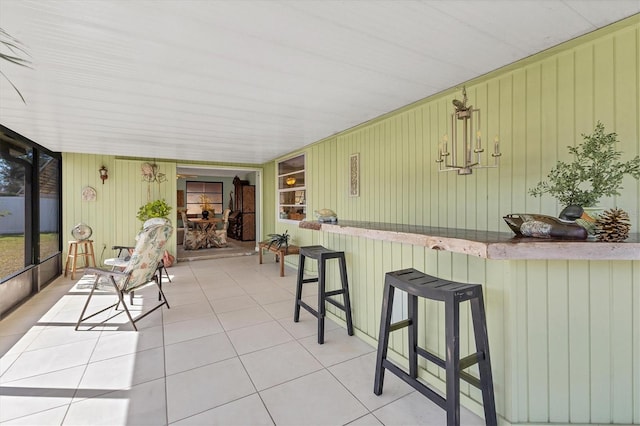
(49, 203)
(204, 194)
(292, 199)
(29, 204)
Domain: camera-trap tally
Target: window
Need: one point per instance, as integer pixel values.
(16, 163)
(200, 192)
(29, 206)
(292, 194)
(49, 180)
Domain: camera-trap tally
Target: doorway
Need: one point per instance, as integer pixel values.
(226, 176)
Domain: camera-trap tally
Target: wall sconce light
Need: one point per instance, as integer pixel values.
(104, 173)
(290, 181)
(465, 122)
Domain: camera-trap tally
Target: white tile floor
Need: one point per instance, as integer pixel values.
(227, 353)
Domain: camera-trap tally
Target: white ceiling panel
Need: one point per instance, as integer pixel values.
(248, 81)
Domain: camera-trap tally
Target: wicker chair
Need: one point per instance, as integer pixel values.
(193, 238)
(221, 234)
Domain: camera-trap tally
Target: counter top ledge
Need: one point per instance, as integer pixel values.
(484, 244)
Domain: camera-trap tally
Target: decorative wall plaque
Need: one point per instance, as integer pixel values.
(354, 175)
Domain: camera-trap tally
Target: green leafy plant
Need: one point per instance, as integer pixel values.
(16, 50)
(279, 240)
(157, 208)
(595, 172)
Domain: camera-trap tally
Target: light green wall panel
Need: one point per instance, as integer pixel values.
(112, 216)
(564, 335)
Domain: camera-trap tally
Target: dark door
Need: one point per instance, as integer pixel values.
(248, 212)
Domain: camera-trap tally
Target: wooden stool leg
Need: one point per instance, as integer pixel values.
(296, 312)
(84, 253)
(452, 360)
(73, 261)
(484, 366)
(322, 265)
(345, 295)
(383, 337)
(281, 256)
(66, 263)
(412, 310)
(92, 254)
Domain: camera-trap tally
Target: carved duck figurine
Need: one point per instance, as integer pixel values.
(543, 226)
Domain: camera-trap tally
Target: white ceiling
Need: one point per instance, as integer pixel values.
(248, 81)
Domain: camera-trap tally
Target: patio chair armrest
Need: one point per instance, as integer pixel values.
(104, 272)
(122, 247)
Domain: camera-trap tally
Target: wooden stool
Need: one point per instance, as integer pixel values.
(322, 254)
(86, 253)
(417, 284)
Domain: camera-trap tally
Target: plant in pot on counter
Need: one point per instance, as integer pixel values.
(595, 172)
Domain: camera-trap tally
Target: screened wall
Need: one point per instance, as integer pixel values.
(30, 217)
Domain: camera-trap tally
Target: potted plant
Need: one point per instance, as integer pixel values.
(279, 240)
(205, 206)
(594, 173)
(157, 208)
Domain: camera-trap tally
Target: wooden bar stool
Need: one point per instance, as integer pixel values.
(322, 254)
(85, 252)
(418, 284)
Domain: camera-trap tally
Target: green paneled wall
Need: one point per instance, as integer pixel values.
(564, 335)
(112, 216)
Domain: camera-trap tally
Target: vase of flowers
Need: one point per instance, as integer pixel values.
(205, 205)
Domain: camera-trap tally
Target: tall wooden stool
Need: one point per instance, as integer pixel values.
(85, 252)
(417, 284)
(322, 254)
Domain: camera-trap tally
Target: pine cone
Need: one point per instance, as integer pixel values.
(613, 225)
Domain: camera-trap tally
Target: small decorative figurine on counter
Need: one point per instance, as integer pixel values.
(326, 215)
(543, 226)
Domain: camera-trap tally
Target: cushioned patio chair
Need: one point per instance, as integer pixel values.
(140, 271)
(123, 256)
(194, 238)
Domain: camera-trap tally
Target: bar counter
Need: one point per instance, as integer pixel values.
(562, 315)
(484, 244)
